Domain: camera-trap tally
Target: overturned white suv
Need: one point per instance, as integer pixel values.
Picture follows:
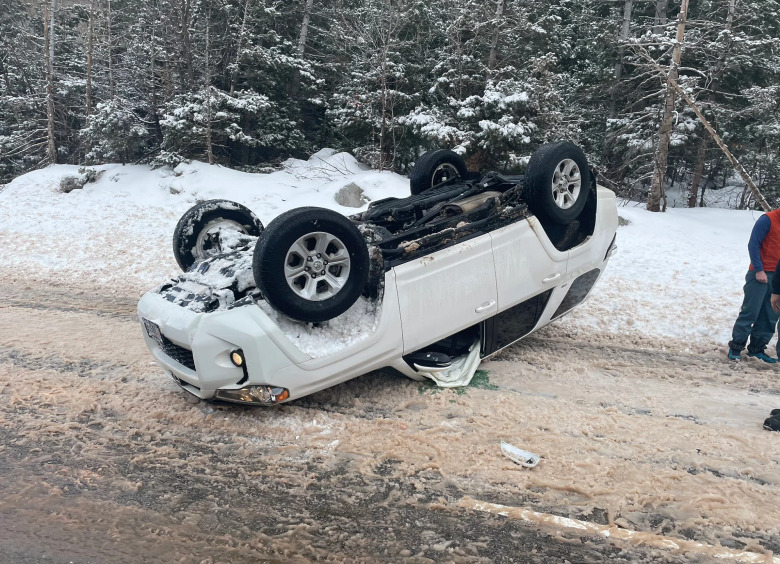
(428, 285)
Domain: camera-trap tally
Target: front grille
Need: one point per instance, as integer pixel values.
(177, 353)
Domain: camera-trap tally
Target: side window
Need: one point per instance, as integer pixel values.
(578, 291)
(513, 324)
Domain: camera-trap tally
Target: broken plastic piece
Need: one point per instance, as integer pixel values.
(521, 457)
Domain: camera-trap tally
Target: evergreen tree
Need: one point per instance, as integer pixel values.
(248, 82)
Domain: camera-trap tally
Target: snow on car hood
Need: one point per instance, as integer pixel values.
(356, 324)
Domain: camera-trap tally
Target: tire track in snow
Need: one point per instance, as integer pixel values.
(552, 348)
(83, 367)
(58, 299)
(159, 475)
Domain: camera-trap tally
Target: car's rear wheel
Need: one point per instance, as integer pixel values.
(212, 227)
(311, 264)
(435, 167)
(557, 182)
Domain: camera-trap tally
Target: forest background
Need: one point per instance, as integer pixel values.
(249, 83)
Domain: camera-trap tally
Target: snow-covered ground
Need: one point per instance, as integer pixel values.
(676, 275)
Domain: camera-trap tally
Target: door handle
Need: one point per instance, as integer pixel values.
(553, 277)
(486, 306)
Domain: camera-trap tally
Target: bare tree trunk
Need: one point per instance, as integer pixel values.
(386, 29)
(48, 32)
(383, 130)
(187, 40)
(111, 83)
(7, 80)
(657, 191)
(238, 49)
(659, 21)
(709, 181)
(90, 46)
(698, 172)
(459, 46)
(304, 28)
(209, 148)
(153, 75)
(496, 34)
(702, 151)
(759, 197)
(168, 74)
(185, 15)
(152, 65)
(625, 32)
(296, 80)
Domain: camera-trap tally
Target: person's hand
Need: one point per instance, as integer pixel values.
(775, 300)
(761, 277)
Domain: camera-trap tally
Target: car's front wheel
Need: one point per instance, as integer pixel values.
(435, 167)
(557, 182)
(212, 227)
(311, 264)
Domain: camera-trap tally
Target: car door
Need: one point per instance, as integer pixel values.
(526, 262)
(528, 270)
(444, 292)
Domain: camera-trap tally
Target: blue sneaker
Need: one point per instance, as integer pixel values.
(734, 355)
(761, 356)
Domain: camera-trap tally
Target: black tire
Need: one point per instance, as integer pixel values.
(434, 167)
(289, 272)
(557, 182)
(197, 235)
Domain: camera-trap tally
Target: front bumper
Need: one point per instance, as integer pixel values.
(194, 349)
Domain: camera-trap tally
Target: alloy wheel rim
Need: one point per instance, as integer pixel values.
(566, 184)
(317, 266)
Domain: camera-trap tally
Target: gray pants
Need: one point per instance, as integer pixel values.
(756, 318)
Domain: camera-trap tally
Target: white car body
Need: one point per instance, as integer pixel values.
(505, 283)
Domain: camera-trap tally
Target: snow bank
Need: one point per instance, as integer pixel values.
(677, 275)
(116, 232)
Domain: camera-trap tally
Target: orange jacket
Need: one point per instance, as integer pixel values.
(764, 245)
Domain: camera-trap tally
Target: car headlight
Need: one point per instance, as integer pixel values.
(262, 395)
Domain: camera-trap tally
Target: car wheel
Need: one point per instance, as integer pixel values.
(311, 264)
(209, 228)
(435, 167)
(557, 182)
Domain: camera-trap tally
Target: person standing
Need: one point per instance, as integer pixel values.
(757, 318)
